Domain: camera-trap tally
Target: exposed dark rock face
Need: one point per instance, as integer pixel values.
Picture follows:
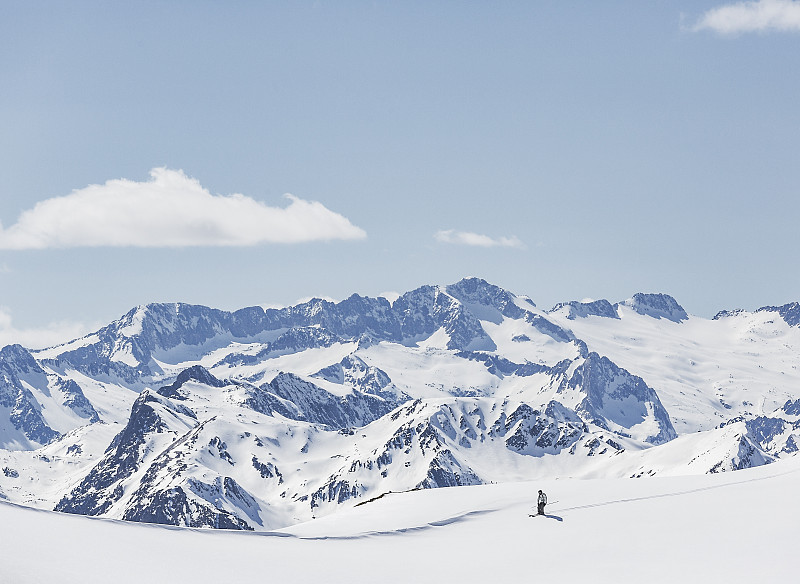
(577, 309)
(19, 371)
(195, 373)
(789, 312)
(746, 454)
(205, 449)
(301, 400)
(501, 366)
(103, 485)
(16, 364)
(173, 507)
(616, 399)
(728, 313)
(792, 407)
(355, 372)
(657, 306)
(148, 331)
(75, 399)
(445, 471)
(536, 432)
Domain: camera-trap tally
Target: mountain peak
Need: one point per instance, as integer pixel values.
(19, 358)
(477, 291)
(472, 282)
(656, 306)
(789, 312)
(728, 313)
(201, 374)
(15, 352)
(576, 309)
(193, 373)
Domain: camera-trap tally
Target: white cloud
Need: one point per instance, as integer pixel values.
(759, 16)
(40, 338)
(169, 210)
(476, 239)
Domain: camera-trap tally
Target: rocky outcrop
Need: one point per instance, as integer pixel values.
(657, 306)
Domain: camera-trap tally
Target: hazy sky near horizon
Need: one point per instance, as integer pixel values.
(562, 150)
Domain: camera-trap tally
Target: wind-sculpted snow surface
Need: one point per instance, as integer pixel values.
(599, 531)
(261, 418)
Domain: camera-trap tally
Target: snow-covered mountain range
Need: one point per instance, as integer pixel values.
(263, 418)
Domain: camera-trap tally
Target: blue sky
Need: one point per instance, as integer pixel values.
(562, 150)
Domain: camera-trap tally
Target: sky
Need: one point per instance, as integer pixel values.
(257, 153)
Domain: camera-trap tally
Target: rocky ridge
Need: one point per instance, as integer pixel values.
(258, 418)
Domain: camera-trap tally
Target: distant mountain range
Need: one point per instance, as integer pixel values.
(261, 418)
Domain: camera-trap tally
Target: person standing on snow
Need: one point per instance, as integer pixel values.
(541, 502)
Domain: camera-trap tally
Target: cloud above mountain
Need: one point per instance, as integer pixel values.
(476, 239)
(759, 16)
(50, 335)
(170, 210)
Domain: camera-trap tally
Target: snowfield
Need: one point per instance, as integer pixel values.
(369, 440)
(730, 527)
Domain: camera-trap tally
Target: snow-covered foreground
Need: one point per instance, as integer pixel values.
(261, 419)
(732, 527)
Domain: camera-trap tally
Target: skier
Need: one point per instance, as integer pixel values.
(542, 502)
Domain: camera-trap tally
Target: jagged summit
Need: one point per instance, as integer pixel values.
(194, 373)
(478, 291)
(789, 312)
(728, 313)
(18, 359)
(131, 346)
(575, 309)
(259, 418)
(657, 306)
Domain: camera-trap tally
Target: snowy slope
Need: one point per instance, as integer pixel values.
(261, 419)
(705, 371)
(735, 527)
